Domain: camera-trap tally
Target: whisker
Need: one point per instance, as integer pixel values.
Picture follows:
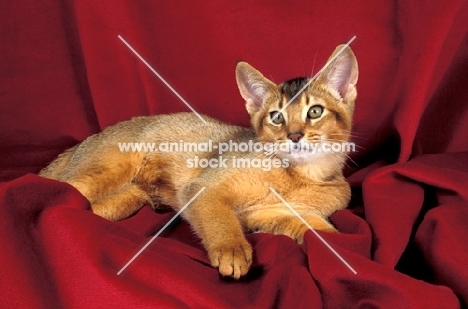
(303, 68)
(352, 133)
(338, 141)
(345, 133)
(313, 65)
(335, 155)
(351, 160)
(353, 136)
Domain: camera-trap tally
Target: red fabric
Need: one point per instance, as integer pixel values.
(65, 75)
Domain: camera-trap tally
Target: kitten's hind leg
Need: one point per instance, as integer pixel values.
(56, 167)
(122, 203)
(279, 222)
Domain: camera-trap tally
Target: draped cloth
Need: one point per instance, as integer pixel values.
(66, 74)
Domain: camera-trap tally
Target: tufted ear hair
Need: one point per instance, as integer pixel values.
(253, 86)
(341, 74)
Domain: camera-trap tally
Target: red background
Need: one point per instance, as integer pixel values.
(65, 75)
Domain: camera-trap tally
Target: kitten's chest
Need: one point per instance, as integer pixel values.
(282, 190)
(277, 186)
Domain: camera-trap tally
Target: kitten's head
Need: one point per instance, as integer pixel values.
(321, 113)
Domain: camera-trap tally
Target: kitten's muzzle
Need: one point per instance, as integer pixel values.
(295, 137)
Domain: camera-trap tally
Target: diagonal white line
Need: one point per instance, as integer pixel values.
(315, 76)
(316, 234)
(162, 79)
(161, 230)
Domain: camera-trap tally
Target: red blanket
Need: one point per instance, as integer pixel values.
(66, 75)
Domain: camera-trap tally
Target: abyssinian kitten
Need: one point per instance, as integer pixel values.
(236, 200)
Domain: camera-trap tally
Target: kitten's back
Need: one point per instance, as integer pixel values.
(148, 130)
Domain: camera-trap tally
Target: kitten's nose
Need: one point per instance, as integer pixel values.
(295, 137)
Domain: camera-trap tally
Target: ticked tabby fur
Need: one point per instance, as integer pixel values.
(235, 200)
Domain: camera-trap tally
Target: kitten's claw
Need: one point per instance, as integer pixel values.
(232, 259)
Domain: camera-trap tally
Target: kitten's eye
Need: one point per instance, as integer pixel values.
(315, 112)
(276, 117)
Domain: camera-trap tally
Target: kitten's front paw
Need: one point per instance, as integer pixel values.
(232, 259)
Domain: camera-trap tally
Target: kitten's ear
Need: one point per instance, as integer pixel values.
(342, 73)
(253, 86)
